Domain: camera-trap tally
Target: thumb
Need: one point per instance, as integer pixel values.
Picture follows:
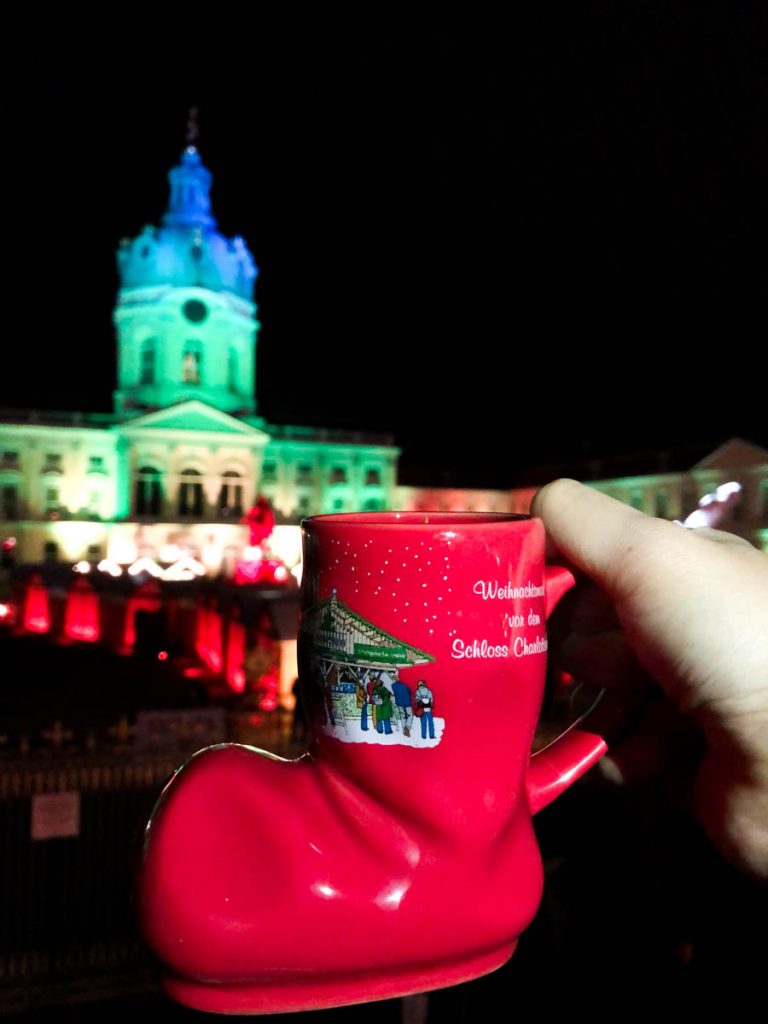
(693, 603)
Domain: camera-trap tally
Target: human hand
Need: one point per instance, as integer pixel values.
(687, 609)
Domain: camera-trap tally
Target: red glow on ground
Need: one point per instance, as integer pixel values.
(268, 684)
(81, 619)
(193, 672)
(208, 637)
(236, 656)
(37, 617)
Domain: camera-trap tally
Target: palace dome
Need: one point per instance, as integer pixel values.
(187, 250)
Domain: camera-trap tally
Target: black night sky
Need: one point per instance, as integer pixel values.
(506, 244)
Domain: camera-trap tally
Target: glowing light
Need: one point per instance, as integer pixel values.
(253, 553)
(145, 564)
(235, 655)
(170, 553)
(5, 612)
(285, 544)
(268, 684)
(82, 567)
(121, 550)
(81, 619)
(187, 568)
(9, 544)
(281, 573)
(208, 637)
(162, 655)
(713, 506)
(192, 672)
(37, 617)
(108, 566)
(297, 571)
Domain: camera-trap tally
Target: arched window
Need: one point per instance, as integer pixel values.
(9, 500)
(147, 361)
(149, 494)
(373, 505)
(373, 478)
(232, 371)
(191, 493)
(192, 362)
(231, 494)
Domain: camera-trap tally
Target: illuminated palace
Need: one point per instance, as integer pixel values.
(172, 470)
(184, 454)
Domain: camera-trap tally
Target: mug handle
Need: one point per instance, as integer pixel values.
(552, 770)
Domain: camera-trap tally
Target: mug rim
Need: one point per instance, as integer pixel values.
(421, 519)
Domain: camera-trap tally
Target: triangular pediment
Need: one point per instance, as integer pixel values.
(192, 416)
(733, 455)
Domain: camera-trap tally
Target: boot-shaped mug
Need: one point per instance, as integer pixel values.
(398, 855)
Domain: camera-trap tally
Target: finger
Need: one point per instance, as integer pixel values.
(592, 531)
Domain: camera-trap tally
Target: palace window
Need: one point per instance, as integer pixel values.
(304, 473)
(269, 472)
(52, 499)
(338, 475)
(373, 478)
(373, 505)
(232, 371)
(10, 460)
(191, 493)
(231, 494)
(9, 502)
(192, 363)
(149, 492)
(95, 463)
(52, 463)
(147, 361)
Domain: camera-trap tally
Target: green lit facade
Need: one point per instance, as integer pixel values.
(184, 453)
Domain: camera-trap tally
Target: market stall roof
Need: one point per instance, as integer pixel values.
(338, 634)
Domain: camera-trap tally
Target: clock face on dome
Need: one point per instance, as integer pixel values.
(195, 311)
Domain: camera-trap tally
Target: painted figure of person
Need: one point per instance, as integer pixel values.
(404, 703)
(371, 686)
(361, 696)
(382, 698)
(424, 707)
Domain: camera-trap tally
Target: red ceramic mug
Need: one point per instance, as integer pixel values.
(398, 855)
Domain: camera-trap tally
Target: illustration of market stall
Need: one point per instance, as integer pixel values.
(351, 669)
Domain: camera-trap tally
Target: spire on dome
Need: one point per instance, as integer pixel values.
(190, 200)
(193, 128)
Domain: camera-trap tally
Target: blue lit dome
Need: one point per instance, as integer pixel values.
(188, 250)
